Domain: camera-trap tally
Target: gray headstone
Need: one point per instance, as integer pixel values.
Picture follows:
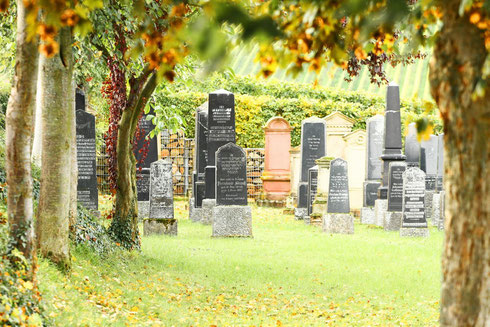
(87, 193)
(338, 194)
(143, 184)
(374, 149)
(440, 162)
(312, 186)
(303, 195)
(161, 190)
(412, 147)
(231, 175)
(413, 199)
(395, 188)
(429, 161)
(313, 143)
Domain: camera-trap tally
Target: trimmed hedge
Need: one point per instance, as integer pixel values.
(256, 101)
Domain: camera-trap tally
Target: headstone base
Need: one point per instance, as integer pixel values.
(300, 213)
(232, 221)
(393, 220)
(428, 204)
(195, 215)
(143, 209)
(191, 206)
(338, 223)
(159, 227)
(368, 216)
(315, 219)
(207, 211)
(414, 232)
(380, 208)
(436, 213)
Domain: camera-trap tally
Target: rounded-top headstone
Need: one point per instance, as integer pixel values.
(338, 194)
(277, 124)
(231, 175)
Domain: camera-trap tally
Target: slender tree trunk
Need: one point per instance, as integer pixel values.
(52, 226)
(124, 226)
(457, 65)
(19, 137)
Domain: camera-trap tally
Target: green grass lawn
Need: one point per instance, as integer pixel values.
(289, 274)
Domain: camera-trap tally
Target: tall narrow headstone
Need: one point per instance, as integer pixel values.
(87, 193)
(393, 216)
(429, 166)
(414, 222)
(440, 162)
(337, 219)
(312, 186)
(200, 161)
(277, 171)
(231, 217)
(161, 218)
(313, 147)
(412, 147)
(374, 164)
(79, 100)
(145, 143)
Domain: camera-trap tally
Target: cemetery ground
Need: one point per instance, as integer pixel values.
(289, 274)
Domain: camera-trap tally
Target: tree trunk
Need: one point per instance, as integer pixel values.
(457, 65)
(124, 226)
(52, 226)
(19, 137)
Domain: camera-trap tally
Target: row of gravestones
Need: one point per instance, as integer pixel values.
(390, 193)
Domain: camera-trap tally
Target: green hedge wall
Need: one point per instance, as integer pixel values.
(256, 101)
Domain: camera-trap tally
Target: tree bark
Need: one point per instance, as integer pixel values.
(457, 66)
(124, 226)
(52, 226)
(19, 137)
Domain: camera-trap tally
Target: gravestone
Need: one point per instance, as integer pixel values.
(150, 146)
(312, 188)
(200, 162)
(231, 217)
(412, 147)
(221, 131)
(87, 193)
(429, 166)
(161, 218)
(313, 147)
(393, 216)
(374, 164)
(442, 209)
(79, 100)
(440, 162)
(392, 147)
(338, 219)
(277, 170)
(414, 222)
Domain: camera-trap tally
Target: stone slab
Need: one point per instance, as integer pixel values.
(195, 215)
(300, 213)
(338, 223)
(232, 221)
(207, 211)
(392, 220)
(160, 227)
(380, 207)
(370, 192)
(338, 194)
(143, 209)
(436, 212)
(367, 216)
(428, 204)
(414, 232)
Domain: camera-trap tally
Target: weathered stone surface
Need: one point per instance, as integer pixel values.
(414, 232)
(413, 203)
(143, 184)
(380, 208)
(371, 192)
(231, 176)
(368, 216)
(161, 190)
(312, 186)
(440, 162)
(412, 147)
(87, 193)
(429, 161)
(428, 203)
(196, 215)
(232, 221)
(374, 149)
(338, 194)
(303, 195)
(160, 227)
(313, 144)
(300, 213)
(436, 212)
(143, 209)
(442, 207)
(338, 223)
(395, 185)
(392, 220)
(207, 211)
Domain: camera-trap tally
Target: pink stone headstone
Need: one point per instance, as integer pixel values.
(277, 172)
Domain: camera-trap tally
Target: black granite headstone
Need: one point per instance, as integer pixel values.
(87, 193)
(161, 190)
(200, 192)
(412, 147)
(338, 193)
(143, 184)
(231, 175)
(395, 188)
(210, 182)
(303, 195)
(313, 144)
(312, 187)
(371, 193)
(200, 153)
(146, 126)
(413, 199)
(79, 100)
